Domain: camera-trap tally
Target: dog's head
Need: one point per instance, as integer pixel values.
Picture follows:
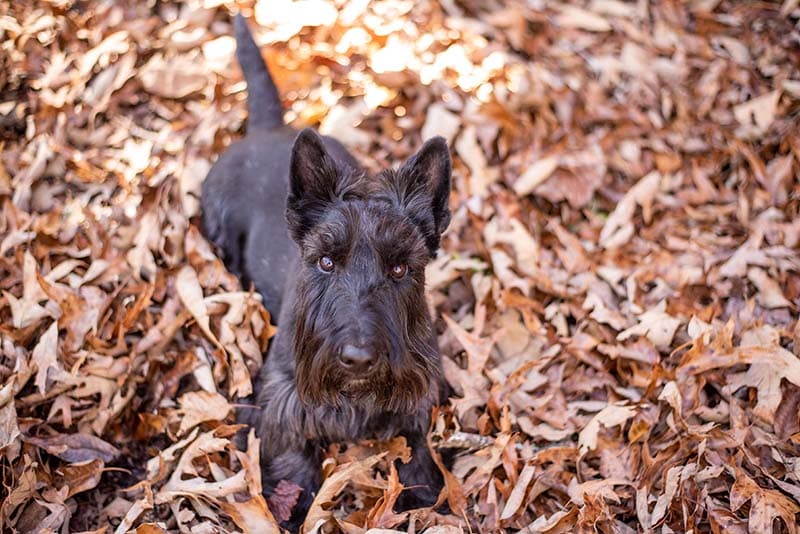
(362, 330)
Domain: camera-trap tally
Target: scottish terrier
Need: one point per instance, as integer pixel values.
(339, 257)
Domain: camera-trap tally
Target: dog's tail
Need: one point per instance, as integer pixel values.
(264, 107)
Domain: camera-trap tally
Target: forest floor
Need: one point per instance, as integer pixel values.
(616, 298)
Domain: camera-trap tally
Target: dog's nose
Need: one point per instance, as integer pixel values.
(356, 358)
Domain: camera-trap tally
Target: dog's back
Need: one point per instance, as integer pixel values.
(244, 194)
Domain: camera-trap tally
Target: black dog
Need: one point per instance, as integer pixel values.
(339, 258)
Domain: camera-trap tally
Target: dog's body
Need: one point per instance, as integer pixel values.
(339, 258)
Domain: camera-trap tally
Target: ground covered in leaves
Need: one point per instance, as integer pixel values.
(618, 289)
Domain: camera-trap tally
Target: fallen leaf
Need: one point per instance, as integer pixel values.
(75, 448)
(176, 77)
(517, 496)
(481, 175)
(769, 364)
(619, 225)
(758, 112)
(440, 121)
(575, 17)
(535, 175)
(655, 324)
(770, 294)
(252, 516)
(357, 472)
(199, 406)
(765, 505)
(610, 416)
(191, 295)
(45, 356)
(9, 429)
(82, 477)
(283, 499)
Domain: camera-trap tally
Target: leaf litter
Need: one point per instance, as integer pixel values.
(617, 291)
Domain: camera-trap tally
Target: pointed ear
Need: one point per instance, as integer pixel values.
(312, 171)
(313, 176)
(424, 182)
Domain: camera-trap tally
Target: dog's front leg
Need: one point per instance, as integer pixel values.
(420, 476)
(301, 467)
(286, 452)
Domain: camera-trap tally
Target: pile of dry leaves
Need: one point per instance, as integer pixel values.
(618, 290)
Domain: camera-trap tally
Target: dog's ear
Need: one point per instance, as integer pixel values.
(313, 177)
(424, 189)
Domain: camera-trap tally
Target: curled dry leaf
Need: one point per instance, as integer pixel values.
(769, 364)
(358, 472)
(76, 447)
(610, 416)
(9, 428)
(191, 295)
(655, 324)
(765, 505)
(440, 121)
(83, 476)
(252, 516)
(535, 175)
(758, 113)
(177, 77)
(199, 406)
(516, 499)
(619, 226)
(283, 499)
(770, 294)
(45, 356)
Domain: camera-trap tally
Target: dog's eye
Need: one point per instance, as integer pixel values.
(399, 271)
(326, 264)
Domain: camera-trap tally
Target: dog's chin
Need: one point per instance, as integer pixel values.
(363, 394)
(357, 387)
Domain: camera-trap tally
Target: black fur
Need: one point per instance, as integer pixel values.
(276, 203)
(264, 108)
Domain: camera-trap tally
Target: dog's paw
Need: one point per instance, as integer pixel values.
(299, 512)
(416, 497)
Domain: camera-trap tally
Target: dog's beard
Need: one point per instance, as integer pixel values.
(322, 381)
(407, 374)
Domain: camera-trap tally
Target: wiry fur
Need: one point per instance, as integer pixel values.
(366, 225)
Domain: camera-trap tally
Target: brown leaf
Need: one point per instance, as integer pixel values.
(481, 174)
(252, 516)
(611, 415)
(456, 497)
(150, 528)
(575, 17)
(83, 476)
(27, 310)
(199, 406)
(770, 363)
(76, 448)
(382, 515)
(770, 294)
(191, 295)
(619, 226)
(758, 113)
(45, 356)
(765, 505)
(283, 499)
(177, 77)
(515, 500)
(358, 472)
(535, 175)
(9, 429)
